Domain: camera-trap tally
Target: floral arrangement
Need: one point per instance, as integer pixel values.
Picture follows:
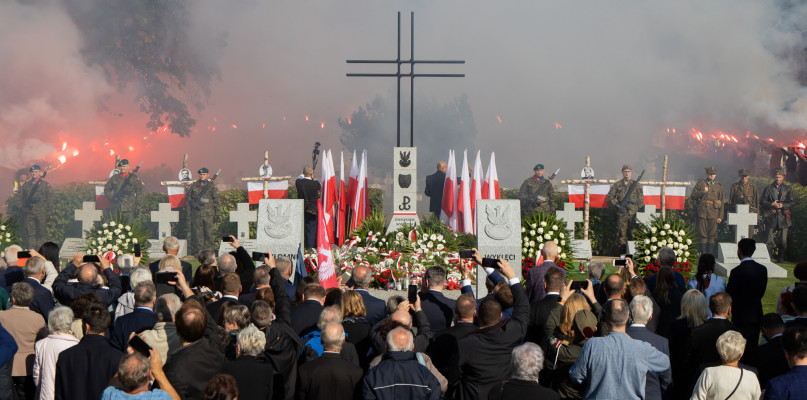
(8, 234)
(539, 228)
(115, 234)
(674, 233)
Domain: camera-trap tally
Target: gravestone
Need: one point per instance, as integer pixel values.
(404, 188)
(498, 227)
(164, 216)
(242, 216)
(727, 260)
(280, 227)
(742, 220)
(581, 248)
(631, 247)
(644, 217)
(87, 215)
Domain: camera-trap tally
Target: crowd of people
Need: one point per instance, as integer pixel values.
(237, 330)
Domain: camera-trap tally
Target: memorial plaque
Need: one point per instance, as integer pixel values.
(156, 249)
(499, 235)
(727, 260)
(404, 188)
(581, 249)
(250, 245)
(280, 227)
(72, 246)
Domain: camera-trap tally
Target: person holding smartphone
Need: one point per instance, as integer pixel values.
(87, 270)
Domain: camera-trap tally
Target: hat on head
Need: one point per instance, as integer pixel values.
(627, 167)
(203, 170)
(35, 167)
(123, 162)
(585, 322)
(778, 171)
(745, 172)
(538, 167)
(711, 170)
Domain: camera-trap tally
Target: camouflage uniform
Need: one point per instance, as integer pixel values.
(744, 194)
(709, 207)
(625, 217)
(34, 210)
(126, 202)
(202, 213)
(528, 193)
(777, 220)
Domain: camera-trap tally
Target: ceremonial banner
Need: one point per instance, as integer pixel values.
(490, 189)
(597, 195)
(101, 202)
(277, 190)
(176, 195)
(329, 189)
(361, 205)
(464, 218)
(448, 210)
(326, 270)
(675, 196)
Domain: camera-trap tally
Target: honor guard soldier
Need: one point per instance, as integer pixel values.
(202, 202)
(34, 197)
(708, 199)
(627, 197)
(123, 190)
(744, 192)
(537, 193)
(776, 201)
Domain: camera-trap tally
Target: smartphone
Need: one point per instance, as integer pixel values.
(165, 277)
(490, 263)
(258, 256)
(140, 345)
(137, 252)
(620, 262)
(413, 294)
(90, 258)
(466, 253)
(579, 285)
(226, 239)
(24, 254)
(629, 256)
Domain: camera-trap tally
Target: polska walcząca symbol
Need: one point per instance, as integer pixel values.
(404, 180)
(279, 225)
(405, 204)
(499, 227)
(404, 161)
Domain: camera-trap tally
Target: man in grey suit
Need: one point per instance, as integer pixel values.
(642, 309)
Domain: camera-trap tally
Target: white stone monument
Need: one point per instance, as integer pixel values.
(742, 220)
(280, 227)
(498, 226)
(405, 188)
(581, 248)
(726, 258)
(88, 215)
(164, 216)
(242, 216)
(644, 218)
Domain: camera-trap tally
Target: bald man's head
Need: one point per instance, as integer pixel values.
(403, 317)
(550, 251)
(362, 277)
(442, 166)
(88, 274)
(400, 339)
(333, 336)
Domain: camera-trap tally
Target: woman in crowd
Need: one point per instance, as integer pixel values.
(728, 380)
(527, 361)
(577, 325)
(356, 326)
(221, 387)
(252, 372)
(668, 298)
(235, 319)
(694, 311)
(78, 306)
(126, 300)
(47, 351)
(204, 282)
(706, 281)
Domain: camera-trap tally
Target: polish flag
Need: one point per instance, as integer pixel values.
(277, 190)
(328, 189)
(360, 197)
(366, 186)
(326, 272)
(598, 195)
(340, 220)
(476, 186)
(448, 211)
(101, 202)
(176, 195)
(675, 196)
(490, 189)
(465, 212)
(353, 181)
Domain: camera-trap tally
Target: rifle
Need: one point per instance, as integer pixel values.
(538, 198)
(195, 203)
(123, 185)
(29, 201)
(624, 202)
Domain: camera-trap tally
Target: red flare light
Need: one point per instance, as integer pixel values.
(214, 129)
(75, 153)
(111, 152)
(499, 118)
(263, 126)
(801, 146)
(349, 122)
(306, 117)
(770, 139)
(131, 148)
(322, 125)
(558, 126)
(64, 145)
(234, 126)
(62, 159)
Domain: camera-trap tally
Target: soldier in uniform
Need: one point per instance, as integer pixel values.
(33, 204)
(744, 192)
(202, 202)
(776, 201)
(537, 194)
(626, 214)
(122, 190)
(708, 200)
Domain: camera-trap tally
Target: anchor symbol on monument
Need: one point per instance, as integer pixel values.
(405, 204)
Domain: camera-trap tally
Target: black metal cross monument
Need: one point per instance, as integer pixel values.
(412, 75)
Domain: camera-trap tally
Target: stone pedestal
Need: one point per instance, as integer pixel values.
(727, 260)
(404, 188)
(498, 226)
(280, 227)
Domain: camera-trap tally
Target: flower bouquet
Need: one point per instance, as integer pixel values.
(674, 233)
(115, 234)
(537, 229)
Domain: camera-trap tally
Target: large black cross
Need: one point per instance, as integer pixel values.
(412, 75)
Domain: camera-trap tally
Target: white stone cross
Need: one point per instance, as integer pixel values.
(87, 215)
(164, 216)
(742, 219)
(243, 216)
(645, 217)
(571, 217)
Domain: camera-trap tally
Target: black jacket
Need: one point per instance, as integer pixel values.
(539, 313)
(43, 299)
(308, 190)
(747, 284)
(518, 389)
(434, 189)
(656, 383)
(703, 343)
(135, 321)
(400, 376)
(422, 339)
(329, 377)
(304, 316)
(84, 370)
(438, 308)
(281, 347)
(254, 376)
(67, 292)
(769, 359)
(444, 352)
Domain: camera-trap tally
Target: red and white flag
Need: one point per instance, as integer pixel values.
(598, 194)
(360, 205)
(340, 220)
(353, 181)
(465, 222)
(366, 194)
(277, 190)
(476, 186)
(328, 189)
(176, 195)
(101, 202)
(490, 189)
(448, 211)
(675, 196)
(326, 271)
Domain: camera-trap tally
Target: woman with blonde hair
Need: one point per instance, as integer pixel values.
(728, 380)
(694, 311)
(356, 325)
(577, 325)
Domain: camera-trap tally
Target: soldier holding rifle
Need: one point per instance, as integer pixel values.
(537, 193)
(202, 203)
(777, 199)
(708, 199)
(123, 190)
(627, 197)
(34, 197)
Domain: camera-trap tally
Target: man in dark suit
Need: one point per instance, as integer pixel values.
(376, 308)
(535, 279)
(330, 376)
(84, 370)
(769, 359)
(747, 284)
(145, 294)
(792, 385)
(305, 315)
(438, 308)
(702, 347)
(43, 299)
(485, 354)
(66, 292)
(434, 188)
(308, 189)
(540, 310)
(641, 308)
(261, 280)
(444, 350)
(171, 248)
(251, 364)
(230, 289)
